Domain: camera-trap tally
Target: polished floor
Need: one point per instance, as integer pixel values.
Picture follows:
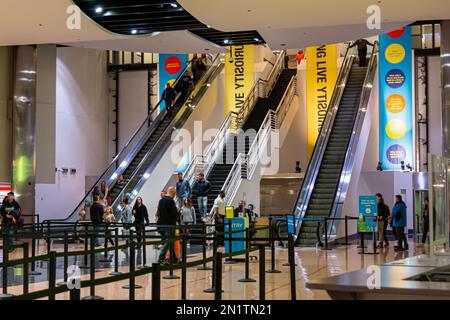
(311, 263)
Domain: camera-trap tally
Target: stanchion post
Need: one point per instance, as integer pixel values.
(75, 294)
(25, 268)
(66, 259)
(292, 266)
(183, 269)
(116, 254)
(325, 222)
(218, 277)
(272, 249)
(204, 266)
(86, 248)
(5, 294)
(346, 230)
(156, 281)
(171, 240)
(52, 275)
(49, 238)
(230, 260)
(132, 280)
(92, 295)
(144, 247)
(213, 272)
(262, 273)
(247, 258)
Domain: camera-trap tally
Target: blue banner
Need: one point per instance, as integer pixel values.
(396, 100)
(170, 67)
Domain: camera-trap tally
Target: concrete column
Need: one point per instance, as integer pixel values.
(445, 72)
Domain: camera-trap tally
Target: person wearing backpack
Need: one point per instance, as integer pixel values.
(12, 217)
(399, 223)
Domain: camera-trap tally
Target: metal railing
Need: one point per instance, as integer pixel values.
(347, 168)
(322, 140)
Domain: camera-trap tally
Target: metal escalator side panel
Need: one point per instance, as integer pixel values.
(349, 162)
(321, 144)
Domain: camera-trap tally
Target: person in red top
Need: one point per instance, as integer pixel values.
(300, 56)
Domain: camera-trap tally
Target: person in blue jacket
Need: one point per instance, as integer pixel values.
(399, 223)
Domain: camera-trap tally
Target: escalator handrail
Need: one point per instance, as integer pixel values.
(316, 159)
(357, 127)
(166, 132)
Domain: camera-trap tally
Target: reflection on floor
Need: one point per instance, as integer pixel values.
(311, 264)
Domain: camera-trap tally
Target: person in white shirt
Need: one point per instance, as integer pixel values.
(219, 214)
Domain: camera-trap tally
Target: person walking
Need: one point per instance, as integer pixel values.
(10, 212)
(105, 193)
(362, 50)
(184, 86)
(183, 189)
(140, 215)
(126, 218)
(188, 215)
(201, 189)
(219, 216)
(382, 221)
(425, 220)
(97, 211)
(399, 223)
(168, 96)
(108, 218)
(168, 218)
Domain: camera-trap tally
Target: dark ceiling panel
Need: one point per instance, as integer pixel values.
(145, 17)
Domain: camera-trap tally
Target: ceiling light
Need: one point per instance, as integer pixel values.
(208, 26)
(226, 41)
(99, 10)
(256, 39)
(134, 31)
(173, 4)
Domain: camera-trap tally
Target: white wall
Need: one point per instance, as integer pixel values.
(5, 120)
(133, 103)
(81, 129)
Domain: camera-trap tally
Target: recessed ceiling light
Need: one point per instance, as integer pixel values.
(226, 41)
(208, 26)
(99, 10)
(134, 31)
(256, 39)
(173, 4)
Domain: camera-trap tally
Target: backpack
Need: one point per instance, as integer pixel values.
(20, 220)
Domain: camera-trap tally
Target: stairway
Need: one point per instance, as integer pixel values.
(236, 145)
(325, 188)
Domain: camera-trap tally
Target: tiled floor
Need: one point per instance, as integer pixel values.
(311, 264)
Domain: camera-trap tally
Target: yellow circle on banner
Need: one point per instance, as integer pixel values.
(395, 129)
(395, 53)
(395, 103)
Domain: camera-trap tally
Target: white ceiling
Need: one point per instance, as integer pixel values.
(300, 23)
(44, 21)
(296, 23)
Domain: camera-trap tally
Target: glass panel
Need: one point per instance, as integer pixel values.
(437, 35)
(137, 57)
(427, 37)
(416, 42)
(415, 30)
(148, 58)
(439, 222)
(419, 205)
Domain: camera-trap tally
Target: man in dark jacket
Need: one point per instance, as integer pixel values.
(168, 216)
(10, 212)
(383, 216)
(168, 96)
(97, 217)
(201, 189)
(362, 50)
(399, 222)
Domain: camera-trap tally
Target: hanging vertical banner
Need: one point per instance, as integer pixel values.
(321, 76)
(396, 102)
(170, 67)
(239, 76)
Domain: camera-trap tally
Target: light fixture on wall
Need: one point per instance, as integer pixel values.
(73, 170)
(64, 170)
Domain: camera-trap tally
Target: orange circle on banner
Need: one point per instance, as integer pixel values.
(396, 33)
(395, 103)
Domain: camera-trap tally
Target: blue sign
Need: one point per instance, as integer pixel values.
(170, 67)
(396, 100)
(237, 224)
(290, 224)
(368, 209)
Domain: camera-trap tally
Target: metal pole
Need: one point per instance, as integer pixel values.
(132, 280)
(326, 234)
(262, 275)
(183, 269)
(116, 271)
(218, 277)
(49, 238)
(33, 271)
(171, 240)
(346, 230)
(247, 258)
(5, 294)
(156, 281)
(292, 267)
(86, 248)
(66, 259)
(230, 260)
(92, 295)
(52, 275)
(25, 268)
(272, 249)
(204, 266)
(211, 289)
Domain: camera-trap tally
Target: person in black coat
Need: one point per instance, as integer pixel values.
(169, 96)
(97, 217)
(140, 215)
(10, 212)
(383, 217)
(168, 216)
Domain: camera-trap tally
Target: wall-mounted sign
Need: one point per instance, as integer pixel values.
(396, 101)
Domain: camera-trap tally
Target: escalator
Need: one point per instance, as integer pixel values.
(237, 144)
(326, 181)
(148, 144)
